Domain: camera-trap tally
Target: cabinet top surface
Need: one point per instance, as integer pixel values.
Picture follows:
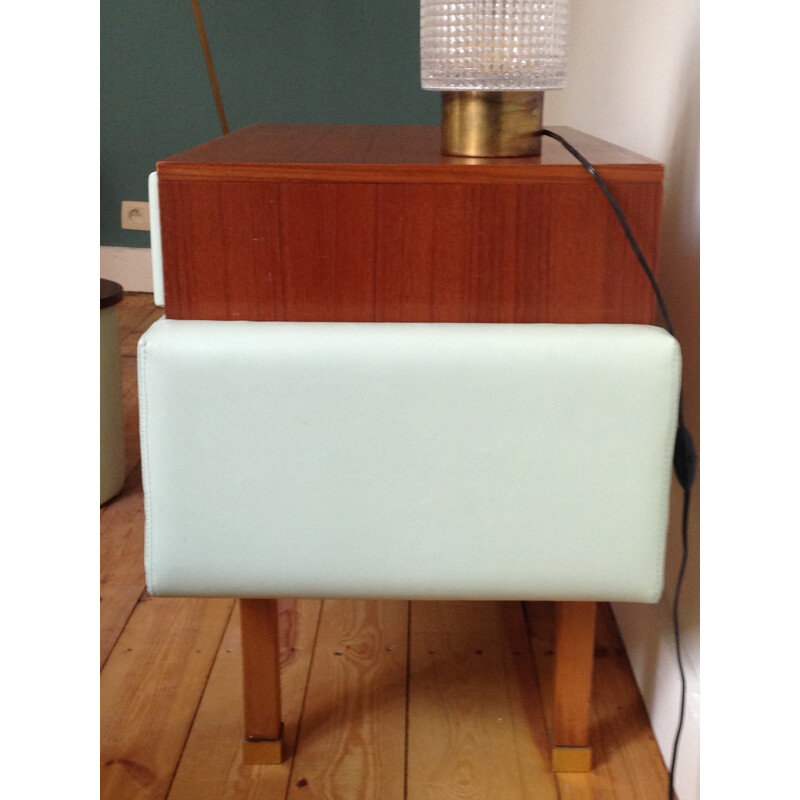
(358, 152)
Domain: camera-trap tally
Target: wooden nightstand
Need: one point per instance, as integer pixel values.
(358, 224)
(285, 222)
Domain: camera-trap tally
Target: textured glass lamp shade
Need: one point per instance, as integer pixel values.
(494, 45)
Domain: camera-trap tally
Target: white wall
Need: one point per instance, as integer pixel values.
(633, 79)
(131, 267)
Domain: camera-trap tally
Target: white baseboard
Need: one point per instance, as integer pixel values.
(131, 267)
(649, 640)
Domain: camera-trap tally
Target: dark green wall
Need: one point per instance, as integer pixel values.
(302, 61)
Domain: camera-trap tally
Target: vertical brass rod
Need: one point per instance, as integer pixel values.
(210, 65)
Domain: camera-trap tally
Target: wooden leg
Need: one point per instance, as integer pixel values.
(575, 631)
(263, 730)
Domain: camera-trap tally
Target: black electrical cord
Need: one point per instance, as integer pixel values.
(685, 458)
(687, 496)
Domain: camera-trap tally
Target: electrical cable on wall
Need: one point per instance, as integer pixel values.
(685, 460)
(210, 66)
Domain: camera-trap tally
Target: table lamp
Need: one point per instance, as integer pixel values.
(492, 61)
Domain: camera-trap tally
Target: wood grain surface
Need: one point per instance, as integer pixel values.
(354, 721)
(575, 635)
(344, 224)
(626, 762)
(471, 661)
(211, 763)
(149, 689)
(375, 153)
(261, 669)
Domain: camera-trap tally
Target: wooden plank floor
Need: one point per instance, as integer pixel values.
(382, 700)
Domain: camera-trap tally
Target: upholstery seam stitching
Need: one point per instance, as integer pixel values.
(143, 416)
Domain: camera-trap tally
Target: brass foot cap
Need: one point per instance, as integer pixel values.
(572, 759)
(263, 751)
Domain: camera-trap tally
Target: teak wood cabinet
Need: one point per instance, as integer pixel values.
(352, 223)
(323, 223)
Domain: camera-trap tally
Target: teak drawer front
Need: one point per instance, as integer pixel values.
(415, 251)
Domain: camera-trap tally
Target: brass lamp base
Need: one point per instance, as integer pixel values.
(491, 124)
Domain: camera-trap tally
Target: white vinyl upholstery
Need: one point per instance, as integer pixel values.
(439, 461)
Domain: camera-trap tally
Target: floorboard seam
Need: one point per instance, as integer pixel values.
(199, 701)
(408, 700)
(305, 697)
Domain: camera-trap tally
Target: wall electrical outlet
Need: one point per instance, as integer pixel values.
(135, 215)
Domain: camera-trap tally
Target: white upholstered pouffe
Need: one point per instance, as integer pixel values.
(440, 461)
